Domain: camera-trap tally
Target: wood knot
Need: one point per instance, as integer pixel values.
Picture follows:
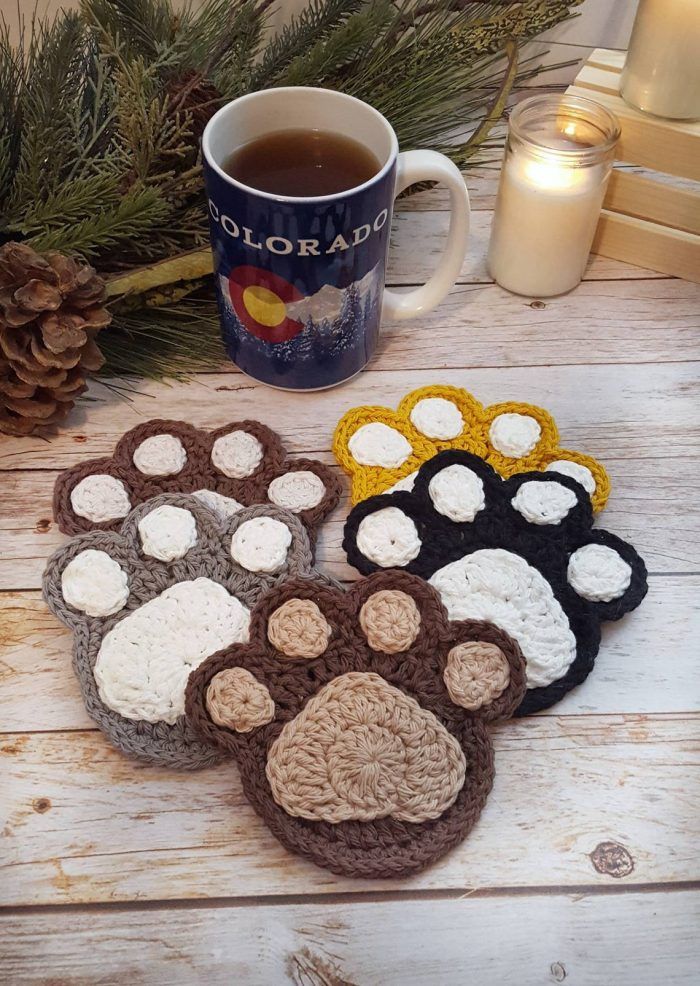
(612, 859)
(41, 805)
(42, 526)
(537, 304)
(558, 972)
(80, 439)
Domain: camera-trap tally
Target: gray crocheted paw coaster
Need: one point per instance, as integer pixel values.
(148, 604)
(520, 551)
(240, 464)
(358, 720)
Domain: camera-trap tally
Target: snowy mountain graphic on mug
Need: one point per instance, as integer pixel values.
(274, 310)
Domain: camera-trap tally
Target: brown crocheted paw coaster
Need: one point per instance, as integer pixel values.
(521, 552)
(151, 602)
(238, 465)
(358, 720)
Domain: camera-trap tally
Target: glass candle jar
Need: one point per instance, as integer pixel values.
(662, 70)
(558, 158)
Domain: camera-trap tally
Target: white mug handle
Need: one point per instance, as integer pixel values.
(419, 166)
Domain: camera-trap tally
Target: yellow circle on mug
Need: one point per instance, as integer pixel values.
(264, 305)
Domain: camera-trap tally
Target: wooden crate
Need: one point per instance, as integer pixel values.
(651, 212)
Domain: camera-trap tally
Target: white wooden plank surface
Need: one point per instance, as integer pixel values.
(84, 824)
(642, 421)
(613, 763)
(39, 692)
(631, 940)
(607, 409)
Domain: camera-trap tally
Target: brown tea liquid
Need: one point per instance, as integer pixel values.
(302, 163)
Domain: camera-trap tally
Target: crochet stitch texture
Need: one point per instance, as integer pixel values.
(521, 552)
(366, 749)
(239, 464)
(381, 449)
(149, 603)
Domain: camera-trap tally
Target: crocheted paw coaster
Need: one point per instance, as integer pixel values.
(238, 465)
(520, 552)
(358, 720)
(148, 604)
(381, 449)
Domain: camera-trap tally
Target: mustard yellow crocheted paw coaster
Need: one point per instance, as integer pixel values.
(238, 465)
(521, 552)
(381, 449)
(149, 603)
(358, 720)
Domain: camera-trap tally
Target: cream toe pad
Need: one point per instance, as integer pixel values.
(160, 455)
(237, 455)
(100, 498)
(260, 545)
(95, 584)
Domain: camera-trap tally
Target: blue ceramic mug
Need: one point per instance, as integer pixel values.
(300, 281)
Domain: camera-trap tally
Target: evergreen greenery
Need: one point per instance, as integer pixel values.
(101, 113)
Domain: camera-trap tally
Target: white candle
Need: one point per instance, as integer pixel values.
(662, 71)
(552, 186)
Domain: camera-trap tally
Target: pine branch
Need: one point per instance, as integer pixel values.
(312, 25)
(68, 204)
(132, 221)
(52, 81)
(349, 41)
(151, 342)
(144, 27)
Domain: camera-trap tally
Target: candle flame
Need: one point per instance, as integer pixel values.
(552, 174)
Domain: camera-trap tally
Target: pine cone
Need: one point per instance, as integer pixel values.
(51, 308)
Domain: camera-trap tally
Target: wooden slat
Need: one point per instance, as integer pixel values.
(40, 693)
(84, 824)
(482, 184)
(652, 200)
(654, 143)
(603, 80)
(670, 250)
(634, 940)
(606, 58)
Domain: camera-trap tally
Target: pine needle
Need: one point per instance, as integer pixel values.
(169, 341)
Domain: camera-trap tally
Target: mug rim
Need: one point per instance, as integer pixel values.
(383, 171)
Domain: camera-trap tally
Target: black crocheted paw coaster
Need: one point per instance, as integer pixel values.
(521, 552)
(237, 465)
(151, 602)
(358, 720)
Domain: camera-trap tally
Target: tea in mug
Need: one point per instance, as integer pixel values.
(302, 163)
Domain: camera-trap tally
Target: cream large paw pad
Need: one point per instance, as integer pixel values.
(358, 720)
(521, 552)
(238, 465)
(149, 603)
(381, 450)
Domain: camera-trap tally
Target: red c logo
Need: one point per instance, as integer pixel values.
(260, 301)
